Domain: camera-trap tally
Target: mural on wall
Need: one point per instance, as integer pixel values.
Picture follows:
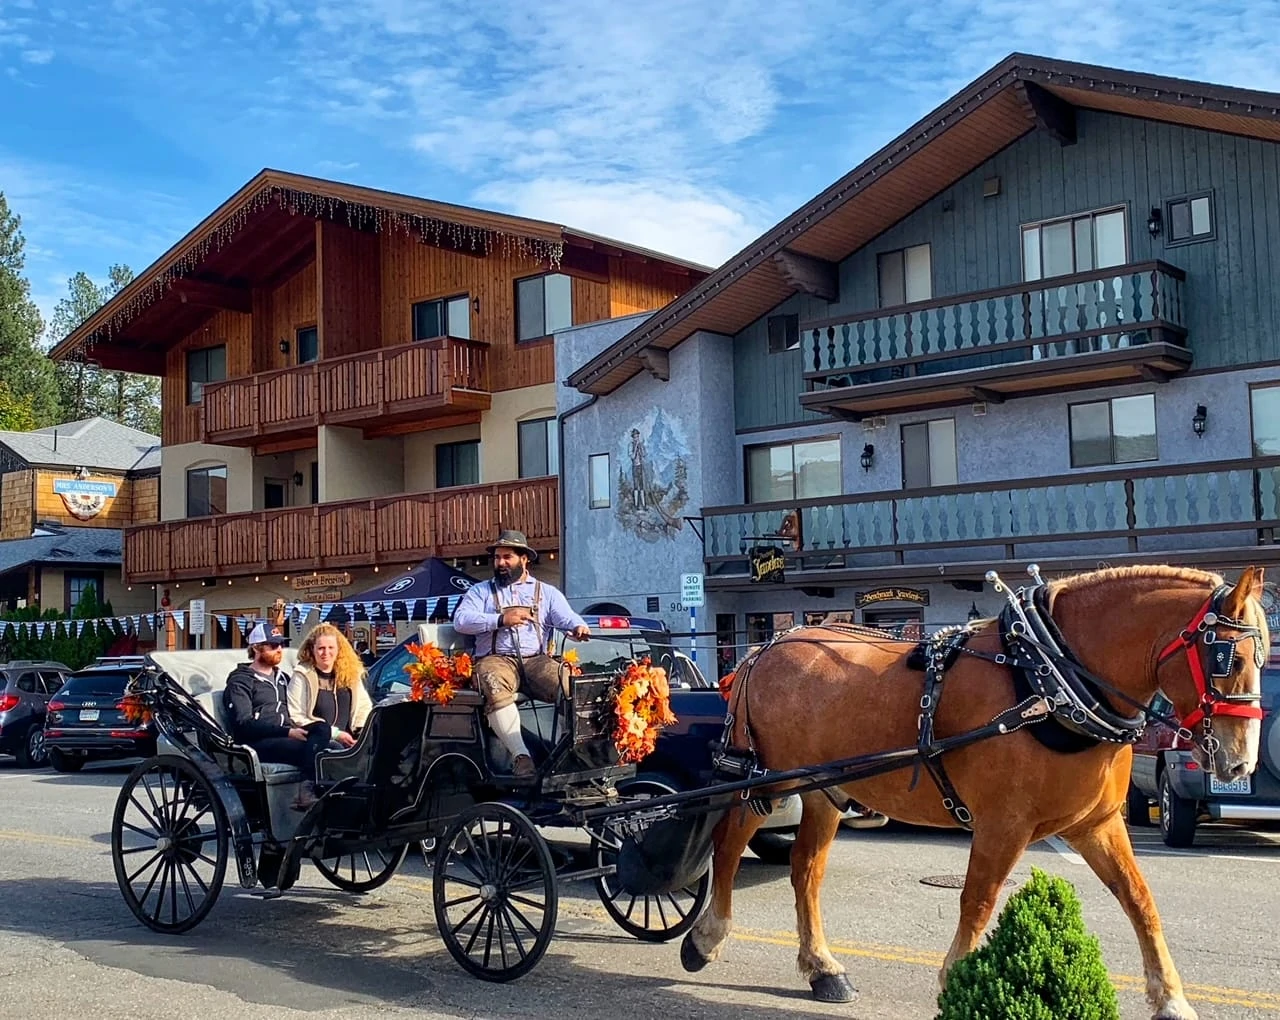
(653, 477)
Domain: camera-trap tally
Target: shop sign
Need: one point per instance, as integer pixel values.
(917, 596)
(306, 582)
(84, 499)
(767, 565)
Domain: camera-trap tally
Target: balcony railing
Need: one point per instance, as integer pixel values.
(406, 381)
(1088, 313)
(353, 533)
(1134, 510)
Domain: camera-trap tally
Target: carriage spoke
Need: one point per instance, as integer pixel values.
(154, 857)
(155, 822)
(153, 836)
(173, 891)
(485, 910)
(510, 905)
(457, 902)
(190, 867)
(140, 849)
(515, 935)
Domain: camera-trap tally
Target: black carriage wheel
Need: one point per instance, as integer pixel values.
(169, 844)
(653, 918)
(495, 892)
(361, 871)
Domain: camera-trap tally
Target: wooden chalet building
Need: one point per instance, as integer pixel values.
(354, 380)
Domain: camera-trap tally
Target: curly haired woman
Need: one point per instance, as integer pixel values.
(328, 685)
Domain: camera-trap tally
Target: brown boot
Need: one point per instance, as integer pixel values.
(522, 767)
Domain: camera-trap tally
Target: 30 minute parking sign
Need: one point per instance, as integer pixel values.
(691, 592)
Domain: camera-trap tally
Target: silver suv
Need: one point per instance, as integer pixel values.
(25, 689)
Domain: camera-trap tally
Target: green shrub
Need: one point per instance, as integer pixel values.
(1038, 964)
(60, 643)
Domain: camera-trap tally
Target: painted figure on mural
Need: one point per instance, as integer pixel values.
(653, 477)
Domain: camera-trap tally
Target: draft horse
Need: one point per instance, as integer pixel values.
(1097, 646)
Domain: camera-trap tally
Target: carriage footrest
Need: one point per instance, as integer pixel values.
(277, 774)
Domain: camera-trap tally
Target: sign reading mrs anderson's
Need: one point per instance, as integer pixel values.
(918, 596)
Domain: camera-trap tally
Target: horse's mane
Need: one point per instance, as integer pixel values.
(1156, 572)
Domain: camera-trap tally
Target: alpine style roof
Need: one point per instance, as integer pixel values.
(91, 443)
(1022, 93)
(69, 546)
(265, 233)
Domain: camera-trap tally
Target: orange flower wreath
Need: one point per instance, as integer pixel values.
(435, 675)
(642, 707)
(135, 710)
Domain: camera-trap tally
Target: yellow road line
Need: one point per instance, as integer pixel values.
(39, 837)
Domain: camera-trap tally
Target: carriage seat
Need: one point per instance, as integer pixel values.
(274, 773)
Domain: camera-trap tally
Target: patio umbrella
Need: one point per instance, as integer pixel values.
(430, 591)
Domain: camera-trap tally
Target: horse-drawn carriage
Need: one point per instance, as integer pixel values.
(419, 771)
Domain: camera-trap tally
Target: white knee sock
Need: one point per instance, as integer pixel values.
(505, 722)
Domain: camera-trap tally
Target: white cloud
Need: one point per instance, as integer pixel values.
(37, 56)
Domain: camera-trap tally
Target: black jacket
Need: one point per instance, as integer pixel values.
(258, 707)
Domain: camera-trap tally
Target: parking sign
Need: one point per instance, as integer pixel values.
(691, 592)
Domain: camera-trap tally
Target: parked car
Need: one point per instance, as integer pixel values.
(25, 689)
(85, 722)
(682, 758)
(1185, 795)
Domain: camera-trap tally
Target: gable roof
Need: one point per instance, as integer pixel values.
(64, 546)
(1017, 96)
(264, 232)
(91, 443)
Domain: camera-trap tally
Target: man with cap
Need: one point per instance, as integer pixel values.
(256, 700)
(512, 618)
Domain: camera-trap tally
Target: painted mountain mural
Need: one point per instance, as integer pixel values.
(653, 477)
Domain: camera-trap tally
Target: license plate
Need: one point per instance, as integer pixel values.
(88, 715)
(1238, 786)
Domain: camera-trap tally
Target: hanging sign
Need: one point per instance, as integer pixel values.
(82, 499)
(918, 596)
(768, 565)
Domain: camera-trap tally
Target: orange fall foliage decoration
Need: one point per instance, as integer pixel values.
(643, 707)
(435, 675)
(135, 710)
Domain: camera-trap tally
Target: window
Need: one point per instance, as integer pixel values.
(1117, 431)
(539, 451)
(442, 317)
(906, 275)
(544, 304)
(79, 585)
(275, 493)
(807, 469)
(208, 364)
(307, 343)
(52, 682)
(1189, 219)
(27, 682)
(1076, 244)
(458, 464)
(762, 626)
(1264, 409)
(784, 333)
(598, 474)
(207, 491)
(929, 454)
(315, 481)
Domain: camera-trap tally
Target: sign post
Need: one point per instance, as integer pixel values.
(195, 620)
(692, 595)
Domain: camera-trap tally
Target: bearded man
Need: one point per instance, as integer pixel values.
(512, 618)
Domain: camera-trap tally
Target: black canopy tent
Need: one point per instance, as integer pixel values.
(430, 591)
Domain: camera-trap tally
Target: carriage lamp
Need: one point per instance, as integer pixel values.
(868, 456)
(1155, 221)
(1199, 418)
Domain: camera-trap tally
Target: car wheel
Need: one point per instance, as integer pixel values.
(32, 755)
(1177, 815)
(1137, 807)
(64, 762)
(773, 847)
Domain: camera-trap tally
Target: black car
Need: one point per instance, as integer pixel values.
(85, 721)
(25, 688)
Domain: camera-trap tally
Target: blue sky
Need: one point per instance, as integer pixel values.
(688, 127)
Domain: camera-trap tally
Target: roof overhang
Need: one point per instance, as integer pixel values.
(266, 232)
(1020, 94)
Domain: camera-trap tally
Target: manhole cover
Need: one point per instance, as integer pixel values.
(950, 881)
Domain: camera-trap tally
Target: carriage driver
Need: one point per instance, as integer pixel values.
(511, 618)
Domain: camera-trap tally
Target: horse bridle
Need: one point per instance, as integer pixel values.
(1219, 655)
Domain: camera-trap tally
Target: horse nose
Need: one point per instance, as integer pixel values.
(1239, 770)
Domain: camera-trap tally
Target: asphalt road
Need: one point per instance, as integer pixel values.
(69, 947)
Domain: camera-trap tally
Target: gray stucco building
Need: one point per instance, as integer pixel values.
(1039, 325)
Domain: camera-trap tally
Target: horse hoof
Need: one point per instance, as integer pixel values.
(1176, 1009)
(690, 958)
(833, 988)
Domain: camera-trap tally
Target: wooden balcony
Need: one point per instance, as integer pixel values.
(1122, 324)
(1216, 513)
(430, 379)
(349, 534)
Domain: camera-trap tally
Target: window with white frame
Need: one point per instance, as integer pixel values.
(905, 275)
(929, 454)
(544, 304)
(598, 480)
(806, 469)
(1075, 244)
(1121, 430)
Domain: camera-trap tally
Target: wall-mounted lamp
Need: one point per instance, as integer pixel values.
(1199, 418)
(974, 612)
(297, 479)
(1155, 221)
(284, 346)
(475, 305)
(868, 457)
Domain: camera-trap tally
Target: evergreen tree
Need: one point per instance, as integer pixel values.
(1039, 964)
(87, 389)
(24, 368)
(60, 642)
